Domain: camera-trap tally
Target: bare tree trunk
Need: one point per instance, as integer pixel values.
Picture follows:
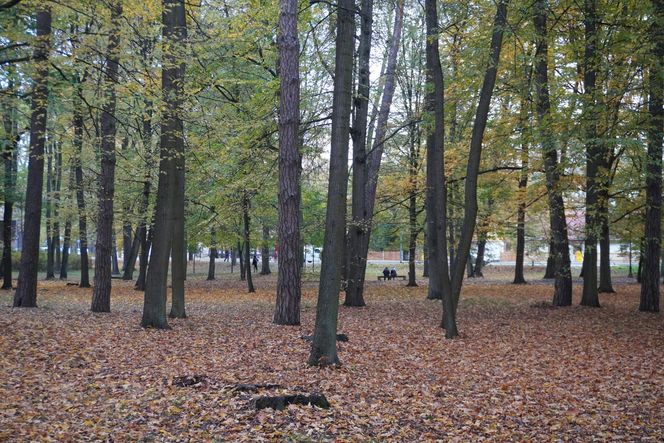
(523, 185)
(213, 255)
(373, 160)
(436, 192)
(26, 292)
(50, 251)
(472, 170)
(265, 252)
(115, 268)
(146, 242)
(605, 284)
(179, 245)
(247, 244)
(243, 268)
(563, 274)
(590, 296)
(479, 259)
(360, 220)
(10, 157)
(650, 279)
(101, 291)
(174, 34)
(324, 346)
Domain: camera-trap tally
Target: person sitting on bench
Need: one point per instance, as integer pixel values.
(393, 274)
(386, 273)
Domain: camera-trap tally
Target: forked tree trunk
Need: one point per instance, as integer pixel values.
(354, 296)
(436, 193)
(324, 345)
(26, 292)
(174, 34)
(560, 245)
(101, 291)
(359, 224)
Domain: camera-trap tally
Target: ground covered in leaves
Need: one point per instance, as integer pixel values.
(521, 370)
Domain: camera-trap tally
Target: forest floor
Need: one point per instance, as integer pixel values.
(521, 370)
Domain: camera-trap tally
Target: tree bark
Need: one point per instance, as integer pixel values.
(472, 170)
(26, 292)
(179, 246)
(50, 251)
(10, 160)
(174, 33)
(605, 284)
(436, 193)
(590, 295)
(240, 255)
(213, 255)
(146, 242)
(77, 123)
(650, 278)
(66, 243)
(360, 220)
(523, 186)
(479, 260)
(560, 244)
(324, 345)
(101, 291)
(550, 271)
(247, 244)
(373, 159)
(265, 252)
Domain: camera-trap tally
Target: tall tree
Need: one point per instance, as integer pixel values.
(373, 158)
(171, 147)
(324, 346)
(473, 169)
(287, 310)
(650, 279)
(101, 291)
(10, 159)
(436, 192)
(560, 244)
(26, 292)
(360, 219)
(594, 156)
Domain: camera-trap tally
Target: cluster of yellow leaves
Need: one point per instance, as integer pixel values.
(519, 371)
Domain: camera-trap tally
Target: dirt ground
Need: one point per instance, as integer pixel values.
(521, 370)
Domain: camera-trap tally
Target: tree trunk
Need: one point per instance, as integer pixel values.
(605, 284)
(66, 243)
(650, 279)
(77, 123)
(590, 296)
(243, 268)
(115, 268)
(425, 255)
(10, 157)
(560, 245)
(174, 34)
(550, 271)
(265, 252)
(57, 185)
(324, 345)
(479, 260)
(101, 291)
(50, 251)
(247, 245)
(146, 241)
(472, 170)
(360, 220)
(373, 159)
(523, 185)
(213, 255)
(436, 194)
(412, 221)
(26, 292)
(179, 246)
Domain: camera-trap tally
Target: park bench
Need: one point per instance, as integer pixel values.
(382, 277)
